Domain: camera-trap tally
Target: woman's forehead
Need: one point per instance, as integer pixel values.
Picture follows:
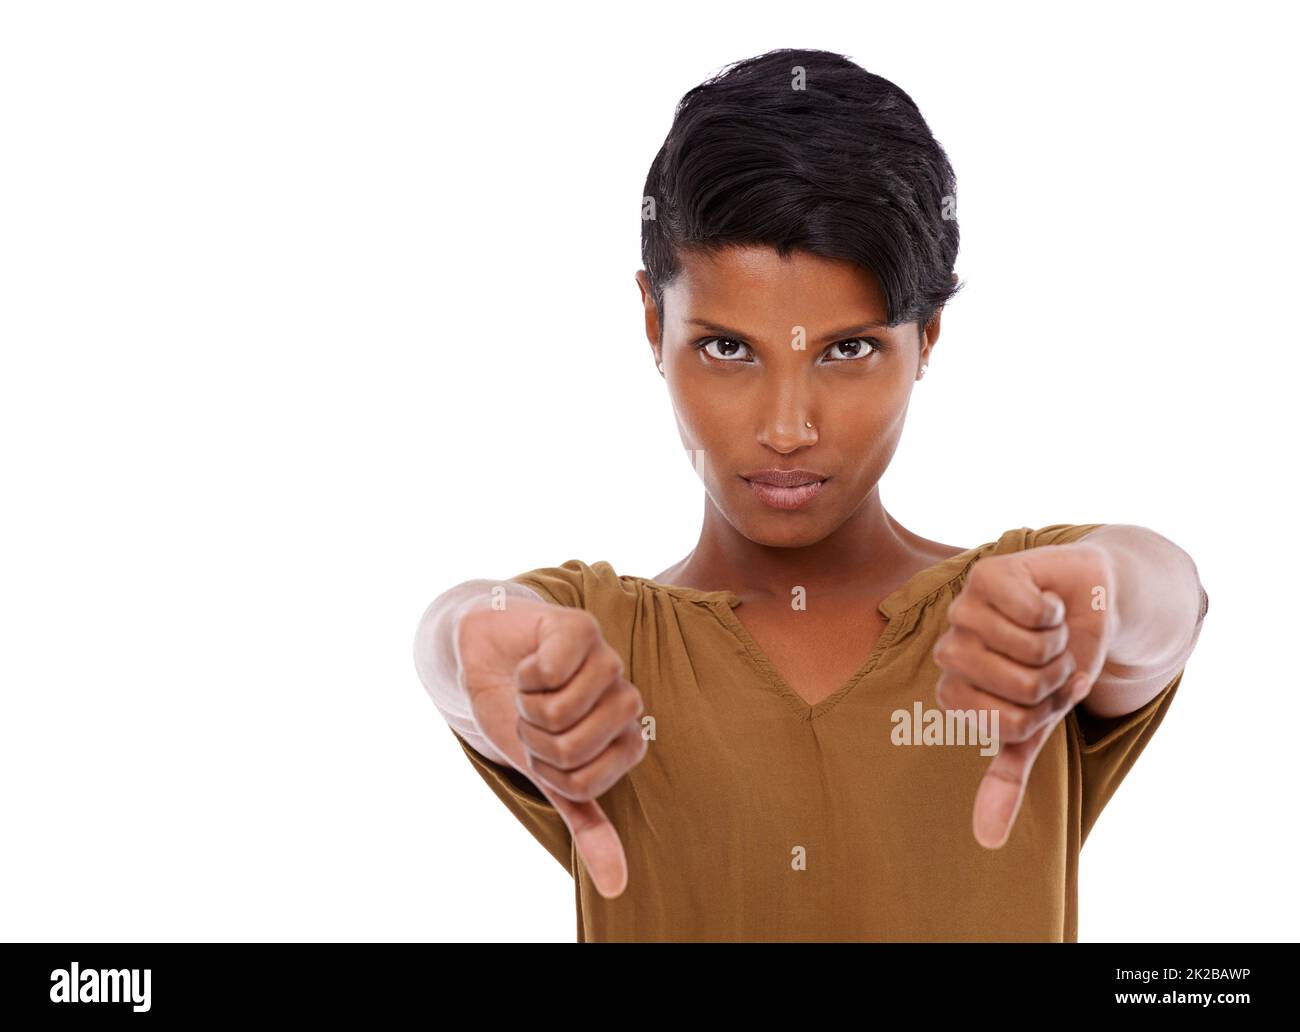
(753, 286)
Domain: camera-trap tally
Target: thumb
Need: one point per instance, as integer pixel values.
(1000, 793)
(597, 842)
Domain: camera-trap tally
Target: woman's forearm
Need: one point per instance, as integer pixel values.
(436, 661)
(1158, 597)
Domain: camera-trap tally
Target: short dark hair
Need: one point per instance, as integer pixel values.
(844, 167)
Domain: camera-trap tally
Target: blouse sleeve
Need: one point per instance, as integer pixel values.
(1108, 747)
(562, 585)
(532, 809)
(597, 588)
(1059, 534)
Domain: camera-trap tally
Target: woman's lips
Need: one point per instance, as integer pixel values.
(785, 497)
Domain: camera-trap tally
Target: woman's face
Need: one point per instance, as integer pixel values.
(754, 347)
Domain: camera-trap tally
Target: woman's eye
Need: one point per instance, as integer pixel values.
(724, 349)
(848, 350)
(729, 349)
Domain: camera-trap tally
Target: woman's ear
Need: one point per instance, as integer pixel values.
(648, 305)
(931, 335)
(652, 329)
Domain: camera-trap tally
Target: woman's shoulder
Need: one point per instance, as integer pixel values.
(1021, 538)
(1018, 539)
(598, 584)
(951, 565)
(573, 582)
(612, 598)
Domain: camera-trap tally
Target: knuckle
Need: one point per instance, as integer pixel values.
(580, 783)
(563, 751)
(610, 665)
(635, 692)
(549, 710)
(1028, 684)
(631, 702)
(1017, 722)
(1066, 666)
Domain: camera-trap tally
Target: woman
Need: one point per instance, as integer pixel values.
(818, 725)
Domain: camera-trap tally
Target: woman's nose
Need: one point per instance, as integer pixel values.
(787, 423)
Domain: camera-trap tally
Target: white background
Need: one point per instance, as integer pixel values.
(310, 311)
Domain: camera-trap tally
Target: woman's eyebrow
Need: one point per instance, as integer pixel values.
(840, 334)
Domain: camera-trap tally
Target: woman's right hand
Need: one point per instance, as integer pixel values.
(548, 692)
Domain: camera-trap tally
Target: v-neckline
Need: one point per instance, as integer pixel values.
(911, 593)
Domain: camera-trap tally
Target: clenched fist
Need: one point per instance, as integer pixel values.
(1028, 636)
(548, 691)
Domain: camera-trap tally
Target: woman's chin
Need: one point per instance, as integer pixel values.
(764, 526)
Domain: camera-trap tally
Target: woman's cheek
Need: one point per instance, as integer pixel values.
(697, 419)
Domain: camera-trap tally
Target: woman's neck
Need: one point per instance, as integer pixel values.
(869, 553)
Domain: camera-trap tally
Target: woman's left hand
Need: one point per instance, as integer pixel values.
(1028, 636)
